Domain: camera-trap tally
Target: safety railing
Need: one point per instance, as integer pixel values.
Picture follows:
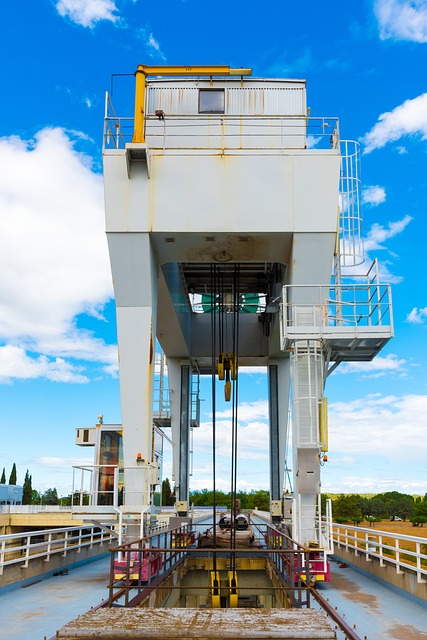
(103, 484)
(35, 508)
(140, 568)
(354, 309)
(404, 552)
(221, 131)
(23, 548)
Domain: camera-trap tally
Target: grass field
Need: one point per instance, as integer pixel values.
(404, 528)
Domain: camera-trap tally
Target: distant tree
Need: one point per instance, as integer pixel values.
(419, 516)
(346, 508)
(35, 497)
(78, 498)
(372, 519)
(27, 494)
(391, 503)
(205, 498)
(3, 477)
(168, 499)
(50, 497)
(12, 479)
(259, 500)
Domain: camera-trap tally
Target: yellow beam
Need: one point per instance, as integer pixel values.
(234, 591)
(201, 70)
(323, 425)
(144, 70)
(215, 590)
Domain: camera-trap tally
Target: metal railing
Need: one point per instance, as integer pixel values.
(23, 548)
(357, 308)
(167, 549)
(35, 508)
(221, 131)
(398, 550)
(87, 491)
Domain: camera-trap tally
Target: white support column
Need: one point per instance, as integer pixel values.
(311, 264)
(307, 391)
(135, 274)
(278, 382)
(179, 372)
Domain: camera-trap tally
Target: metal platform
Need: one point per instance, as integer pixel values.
(200, 624)
(353, 320)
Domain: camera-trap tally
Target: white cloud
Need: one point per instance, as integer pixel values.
(417, 316)
(54, 255)
(252, 438)
(253, 370)
(374, 241)
(408, 119)
(378, 234)
(287, 65)
(151, 44)
(379, 366)
(381, 425)
(88, 12)
(16, 364)
(402, 19)
(373, 195)
(51, 471)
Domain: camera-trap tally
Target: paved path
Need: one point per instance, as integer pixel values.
(378, 612)
(37, 611)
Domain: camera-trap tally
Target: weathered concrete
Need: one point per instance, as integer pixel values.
(19, 575)
(405, 580)
(200, 624)
(18, 522)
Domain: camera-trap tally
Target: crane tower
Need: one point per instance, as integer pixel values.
(223, 191)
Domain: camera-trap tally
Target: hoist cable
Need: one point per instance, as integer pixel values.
(235, 349)
(213, 373)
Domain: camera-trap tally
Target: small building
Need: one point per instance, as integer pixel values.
(10, 494)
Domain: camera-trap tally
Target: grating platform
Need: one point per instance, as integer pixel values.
(199, 624)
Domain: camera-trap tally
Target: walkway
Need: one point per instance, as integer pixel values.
(379, 612)
(37, 611)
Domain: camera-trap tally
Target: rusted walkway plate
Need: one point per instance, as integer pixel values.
(199, 624)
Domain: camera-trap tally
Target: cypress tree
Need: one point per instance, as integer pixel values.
(3, 477)
(12, 479)
(27, 494)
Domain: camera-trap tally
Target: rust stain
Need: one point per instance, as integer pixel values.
(406, 632)
(33, 614)
(352, 591)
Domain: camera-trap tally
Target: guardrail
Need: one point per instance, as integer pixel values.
(139, 567)
(34, 508)
(222, 131)
(398, 550)
(23, 548)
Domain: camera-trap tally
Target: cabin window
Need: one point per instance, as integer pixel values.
(211, 101)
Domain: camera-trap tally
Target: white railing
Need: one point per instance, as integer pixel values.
(337, 309)
(22, 548)
(86, 489)
(34, 508)
(401, 551)
(221, 131)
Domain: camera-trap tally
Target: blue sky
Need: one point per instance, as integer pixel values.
(364, 62)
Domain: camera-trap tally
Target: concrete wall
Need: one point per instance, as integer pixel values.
(407, 580)
(19, 576)
(19, 522)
